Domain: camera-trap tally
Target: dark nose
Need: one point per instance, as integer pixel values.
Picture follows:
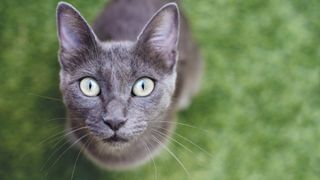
(114, 124)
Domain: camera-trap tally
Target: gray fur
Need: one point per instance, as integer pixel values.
(116, 58)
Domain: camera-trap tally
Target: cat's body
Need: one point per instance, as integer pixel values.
(121, 51)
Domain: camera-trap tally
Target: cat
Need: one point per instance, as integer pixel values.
(123, 80)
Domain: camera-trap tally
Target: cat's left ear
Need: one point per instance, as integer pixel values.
(73, 31)
(161, 34)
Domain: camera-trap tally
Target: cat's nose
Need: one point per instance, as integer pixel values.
(114, 124)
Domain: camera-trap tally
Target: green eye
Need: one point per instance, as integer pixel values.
(143, 87)
(89, 87)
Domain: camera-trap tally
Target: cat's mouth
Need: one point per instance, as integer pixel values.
(115, 139)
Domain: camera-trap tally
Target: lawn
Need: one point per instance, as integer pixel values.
(257, 115)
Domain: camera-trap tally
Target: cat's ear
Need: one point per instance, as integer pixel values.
(161, 34)
(73, 31)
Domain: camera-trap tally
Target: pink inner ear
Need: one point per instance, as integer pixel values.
(68, 35)
(74, 32)
(164, 36)
(161, 35)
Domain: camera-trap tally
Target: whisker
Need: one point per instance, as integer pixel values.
(60, 156)
(196, 145)
(23, 155)
(183, 124)
(47, 140)
(75, 163)
(58, 149)
(80, 151)
(61, 132)
(53, 119)
(46, 97)
(191, 142)
(53, 153)
(168, 136)
(172, 154)
(154, 163)
(63, 118)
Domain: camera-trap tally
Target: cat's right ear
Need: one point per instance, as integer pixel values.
(73, 31)
(161, 34)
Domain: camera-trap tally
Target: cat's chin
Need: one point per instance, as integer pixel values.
(115, 139)
(120, 155)
(115, 143)
(114, 147)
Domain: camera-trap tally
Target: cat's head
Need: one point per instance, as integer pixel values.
(117, 90)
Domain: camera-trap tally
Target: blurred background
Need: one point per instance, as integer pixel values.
(257, 116)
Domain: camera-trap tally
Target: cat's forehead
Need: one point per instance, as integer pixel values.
(115, 60)
(116, 54)
(122, 59)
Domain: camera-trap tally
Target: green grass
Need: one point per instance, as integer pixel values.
(260, 99)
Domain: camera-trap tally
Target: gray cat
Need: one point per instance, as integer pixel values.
(122, 81)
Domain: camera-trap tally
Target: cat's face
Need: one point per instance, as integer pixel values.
(117, 91)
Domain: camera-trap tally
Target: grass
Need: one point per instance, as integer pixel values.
(260, 99)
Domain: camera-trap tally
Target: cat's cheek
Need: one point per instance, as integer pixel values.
(82, 101)
(89, 103)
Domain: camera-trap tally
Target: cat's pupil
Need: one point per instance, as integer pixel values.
(90, 85)
(142, 85)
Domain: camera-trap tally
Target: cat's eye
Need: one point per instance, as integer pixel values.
(89, 87)
(143, 87)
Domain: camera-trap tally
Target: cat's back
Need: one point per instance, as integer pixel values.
(124, 19)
